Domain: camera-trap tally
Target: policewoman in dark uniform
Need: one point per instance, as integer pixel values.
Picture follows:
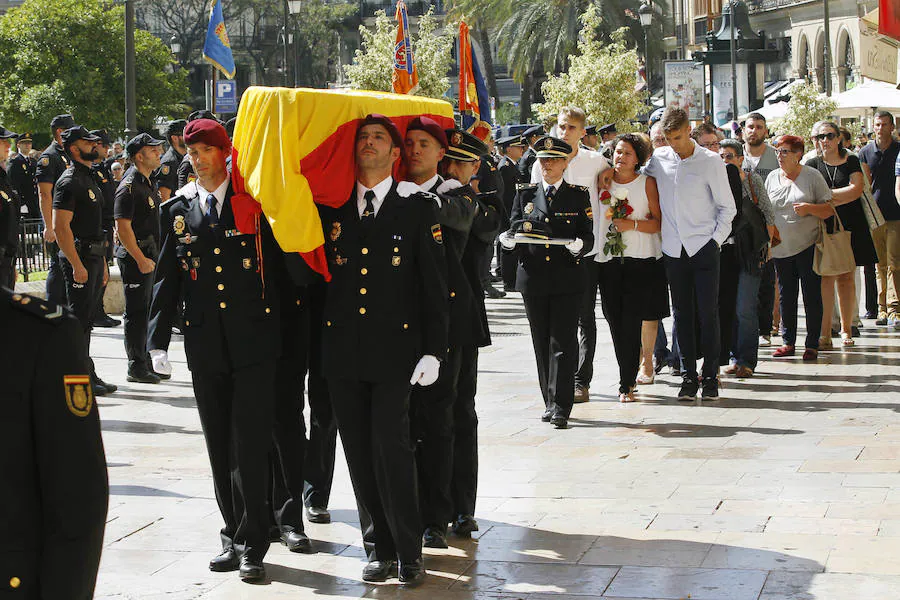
(165, 177)
(550, 276)
(137, 223)
(386, 317)
(9, 217)
(508, 167)
(50, 166)
(231, 338)
(21, 171)
(55, 490)
(78, 224)
(527, 162)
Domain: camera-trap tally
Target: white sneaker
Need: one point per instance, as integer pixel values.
(765, 341)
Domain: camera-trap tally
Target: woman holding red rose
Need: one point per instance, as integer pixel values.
(632, 282)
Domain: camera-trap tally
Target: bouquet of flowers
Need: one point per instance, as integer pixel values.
(618, 209)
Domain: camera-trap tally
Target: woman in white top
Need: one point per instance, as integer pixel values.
(632, 283)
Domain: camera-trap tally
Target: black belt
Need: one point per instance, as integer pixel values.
(146, 243)
(91, 248)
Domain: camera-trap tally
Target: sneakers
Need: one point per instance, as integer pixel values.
(765, 341)
(582, 393)
(688, 391)
(881, 321)
(783, 351)
(710, 389)
(895, 324)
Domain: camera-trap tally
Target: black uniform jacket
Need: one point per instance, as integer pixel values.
(386, 304)
(9, 216)
(545, 269)
(21, 175)
(525, 163)
(55, 491)
(485, 225)
(166, 176)
(231, 320)
(509, 173)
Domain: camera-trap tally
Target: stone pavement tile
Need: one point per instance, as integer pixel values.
(885, 480)
(770, 552)
(713, 523)
(567, 506)
(786, 585)
(679, 583)
(651, 549)
(773, 508)
(136, 562)
(889, 528)
(735, 492)
(596, 523)
(537, 578)
(735, 452)
(850, 510)
(193, 535)
(833, 494)
(864, 555)
(518, 544)
(821, 526)
(869, 441)
(851, 466)
(886, 452)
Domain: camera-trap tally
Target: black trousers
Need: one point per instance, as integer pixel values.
(237, 409)
(696, 278)
(623, 285)
(871, 287)
(587, 324)
(82, 297)
(729, 272)
(554, 322)
(373, 419)
(56, 281)
(318, 468)
(508, 265)
(8, 272)
(433, 428)
(767, 298)
(464, 482)
(796, 272)
(138, 293)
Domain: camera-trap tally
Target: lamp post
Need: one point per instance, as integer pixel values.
(130, 98)
(291, 7)
(645, 12)
(175, 47)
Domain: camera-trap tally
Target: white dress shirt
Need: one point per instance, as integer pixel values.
(694, 197)
(381, 190)
(219, 193)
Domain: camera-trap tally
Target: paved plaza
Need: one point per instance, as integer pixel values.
(788, 488)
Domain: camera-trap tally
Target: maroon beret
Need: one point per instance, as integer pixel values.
(431, 127)
(376, 119)
(208, 132)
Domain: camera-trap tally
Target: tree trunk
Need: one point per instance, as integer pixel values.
(485, 42)
(525, 98)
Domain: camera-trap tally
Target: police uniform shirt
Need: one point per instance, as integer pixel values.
(138, 201)
(9, 215)
(108, 186)
(381, 190)
(185, 172)
(21, 176)
(77, 190)
(51, 164)
(166, 176)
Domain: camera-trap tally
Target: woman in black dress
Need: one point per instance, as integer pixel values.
(843, 173)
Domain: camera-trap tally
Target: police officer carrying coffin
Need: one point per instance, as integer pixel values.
(385, 330)
(55, 490)
(50, 166)
(21, 171)
(165, 178)
(550, 276)
(231, 338)
(78, 225)
(9, 217)
(137, 224)
(185, 172)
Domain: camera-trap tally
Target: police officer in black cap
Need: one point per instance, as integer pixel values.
(607, 140)
(529, 137)
(50, 166)
(103, 173)
(165, 178)
(137, 223)
(513, 148)
(550, 276)
(55, 490)
(78, 224)
(21, 171)
(9, 217)
(590, 140)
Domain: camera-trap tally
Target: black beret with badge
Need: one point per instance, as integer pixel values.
(551, 147)
(464, 147)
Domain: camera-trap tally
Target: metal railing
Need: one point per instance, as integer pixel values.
(33, 253)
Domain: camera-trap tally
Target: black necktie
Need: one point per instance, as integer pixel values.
(212, 215)
(368, 216)
(550, 191)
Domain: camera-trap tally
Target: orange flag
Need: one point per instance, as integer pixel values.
(468, 94)
(406, 76)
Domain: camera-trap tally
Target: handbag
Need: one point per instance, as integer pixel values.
(873, 214)
(834, 252)
(776, 235)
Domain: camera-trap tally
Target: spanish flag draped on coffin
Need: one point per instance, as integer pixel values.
(294, 148)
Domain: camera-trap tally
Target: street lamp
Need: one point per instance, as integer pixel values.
(175, 45)
(130, 97)
(291, 7)
(645, 13)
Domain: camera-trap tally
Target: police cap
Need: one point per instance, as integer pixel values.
(513, 140)
(73, 134)
(103, 135)
(6, 134)
(65, 121)
(175, 127)
(590, 130)
(25, 137)
(534, 229)
(134, 145)
(464, 146)
(551, 147)
(532, 131)
(607, 129)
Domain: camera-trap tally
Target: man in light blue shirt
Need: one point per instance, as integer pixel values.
(697, 210)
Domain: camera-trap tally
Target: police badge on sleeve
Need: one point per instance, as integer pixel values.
(79, 395)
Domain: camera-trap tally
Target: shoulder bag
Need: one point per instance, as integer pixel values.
(834, 252)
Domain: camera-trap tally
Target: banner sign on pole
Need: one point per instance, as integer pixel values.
(684, 87)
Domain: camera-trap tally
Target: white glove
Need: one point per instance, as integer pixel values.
(161, 363)
(575, 246)
(449, 184)
(426, 372)
(507, 240)
(405, 189)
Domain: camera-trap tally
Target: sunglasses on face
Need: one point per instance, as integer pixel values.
(710, 145)
(825, 136)
(727, 156)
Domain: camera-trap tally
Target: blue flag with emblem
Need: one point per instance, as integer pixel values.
(217, 48)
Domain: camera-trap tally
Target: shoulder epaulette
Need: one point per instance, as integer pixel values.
(581, 188)
(526, 186)
(36, 307)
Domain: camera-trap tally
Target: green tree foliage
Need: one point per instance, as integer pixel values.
(806, 107)
(319, 27)
(69, 56)
(372, 67)
(601, 79)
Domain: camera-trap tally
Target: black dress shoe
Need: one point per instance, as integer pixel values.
(142, 375)
(252, 569)
(412, 574)
(99, 390)
(318, 514)
(548, 414)
(464, 525)
(492, 292)
(274, 534)
(110, 387)
(296, 541)
(559, 422)
(434, 538)
(227, 561)
(379, 570)
(106, 321)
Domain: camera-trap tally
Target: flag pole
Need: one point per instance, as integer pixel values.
(213, 94)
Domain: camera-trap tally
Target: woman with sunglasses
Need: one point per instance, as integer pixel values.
(799, 196)
(843, 174)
